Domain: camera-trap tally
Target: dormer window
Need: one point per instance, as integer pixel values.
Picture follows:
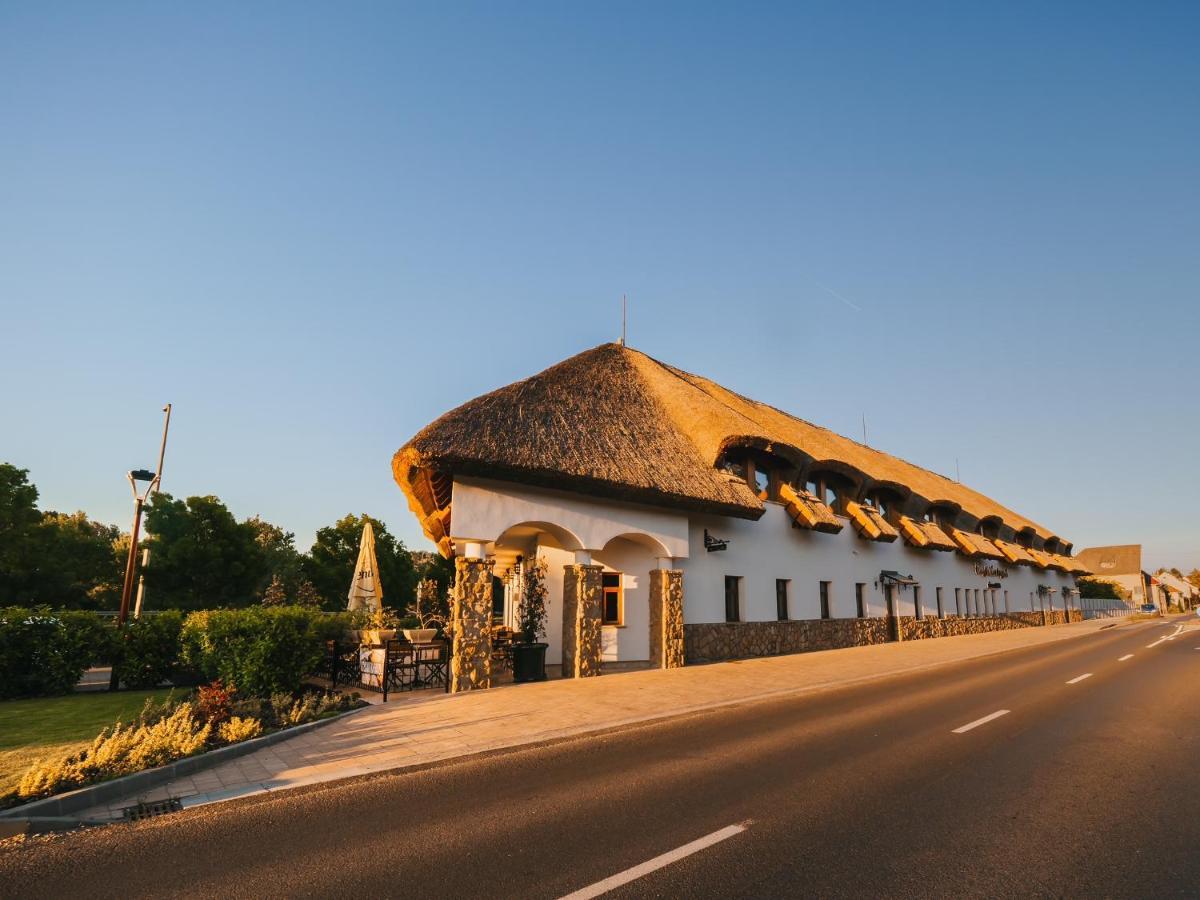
(830, 488)
(941, 516)
(758, 470)
(886, 503)
(989, 527)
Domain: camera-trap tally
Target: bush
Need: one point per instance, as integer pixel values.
(239, 729)
(261, 650)
(214, 702)
(46, 653)
(1100, 589)
(119, 751)
(147, 650)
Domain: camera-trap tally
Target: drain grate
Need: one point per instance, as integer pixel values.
(143, 810)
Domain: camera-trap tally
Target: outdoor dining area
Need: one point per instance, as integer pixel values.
(389, 660)
(396, 665)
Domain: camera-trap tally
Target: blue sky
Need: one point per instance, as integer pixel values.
(316, 227)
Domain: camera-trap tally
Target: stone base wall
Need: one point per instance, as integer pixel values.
(716, 641)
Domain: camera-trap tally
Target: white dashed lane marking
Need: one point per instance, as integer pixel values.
(615, 881)
(963, 729)
(1130, 656)
(1079, 678)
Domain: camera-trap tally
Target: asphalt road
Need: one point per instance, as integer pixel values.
(1082, 789)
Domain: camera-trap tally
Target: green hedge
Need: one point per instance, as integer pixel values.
(44, 652)
(259, 650)
(147, 651)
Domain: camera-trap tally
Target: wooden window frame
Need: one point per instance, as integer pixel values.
(620, 592)
(860, 598)
(734, 581)
(825, 590)
(783, 590)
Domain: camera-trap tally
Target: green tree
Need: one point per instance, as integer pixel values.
(329, 565)
(19, 517)
(76, 563)
(1100, 589)
(282, 562)
(275, 594)
(201, 556)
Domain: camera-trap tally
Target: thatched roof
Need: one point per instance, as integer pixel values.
(615, 423)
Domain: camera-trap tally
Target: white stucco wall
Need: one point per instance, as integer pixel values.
(485, 510)
(760, 552)
(630, 539)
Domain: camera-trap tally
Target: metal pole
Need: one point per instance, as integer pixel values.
(141, 591)
(131, 560)
(162, 450)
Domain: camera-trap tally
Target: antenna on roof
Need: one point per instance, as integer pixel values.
(957, 474)
(864, 427)
(622, 320)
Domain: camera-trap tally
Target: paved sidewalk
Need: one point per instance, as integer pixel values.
(419, 729)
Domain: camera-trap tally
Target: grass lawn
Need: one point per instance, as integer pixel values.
(47, 725)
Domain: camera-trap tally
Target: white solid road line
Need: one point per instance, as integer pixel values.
(615, 881)
(1130, 656)
(997, 714)
(1079, 678)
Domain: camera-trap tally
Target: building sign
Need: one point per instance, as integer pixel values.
(986, 568)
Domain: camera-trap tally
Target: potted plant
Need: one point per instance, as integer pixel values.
(382, 628)
(428, 616)
(529, 653)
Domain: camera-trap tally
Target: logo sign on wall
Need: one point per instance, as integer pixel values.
(986, 568)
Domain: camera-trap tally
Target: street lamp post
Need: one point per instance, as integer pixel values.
(152, 480)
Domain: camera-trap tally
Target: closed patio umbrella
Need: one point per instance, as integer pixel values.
(366, 592)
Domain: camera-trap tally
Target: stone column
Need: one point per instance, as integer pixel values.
(471, 619)
(581, 620)
(666, 618)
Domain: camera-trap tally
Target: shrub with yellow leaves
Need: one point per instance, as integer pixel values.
(119, 751)
(239, 729)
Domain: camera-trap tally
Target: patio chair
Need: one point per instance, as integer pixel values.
(502, 650)
(343, 663)
(433, 665)
(399, 667)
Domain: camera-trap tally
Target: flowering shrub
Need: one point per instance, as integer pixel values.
(46, 653)
(120, 750)
(239, 729)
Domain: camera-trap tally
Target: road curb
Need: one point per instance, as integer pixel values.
(63, 805)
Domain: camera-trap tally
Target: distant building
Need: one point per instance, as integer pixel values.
(1121, 564)
(1181, 591)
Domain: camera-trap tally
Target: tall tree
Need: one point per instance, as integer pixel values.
(201, 556)
(76, 563)
(330, 563)
(281, 560)
(19, 517)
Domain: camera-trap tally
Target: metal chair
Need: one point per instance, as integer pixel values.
(433, 665)
(399, 667)
(343, 662)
